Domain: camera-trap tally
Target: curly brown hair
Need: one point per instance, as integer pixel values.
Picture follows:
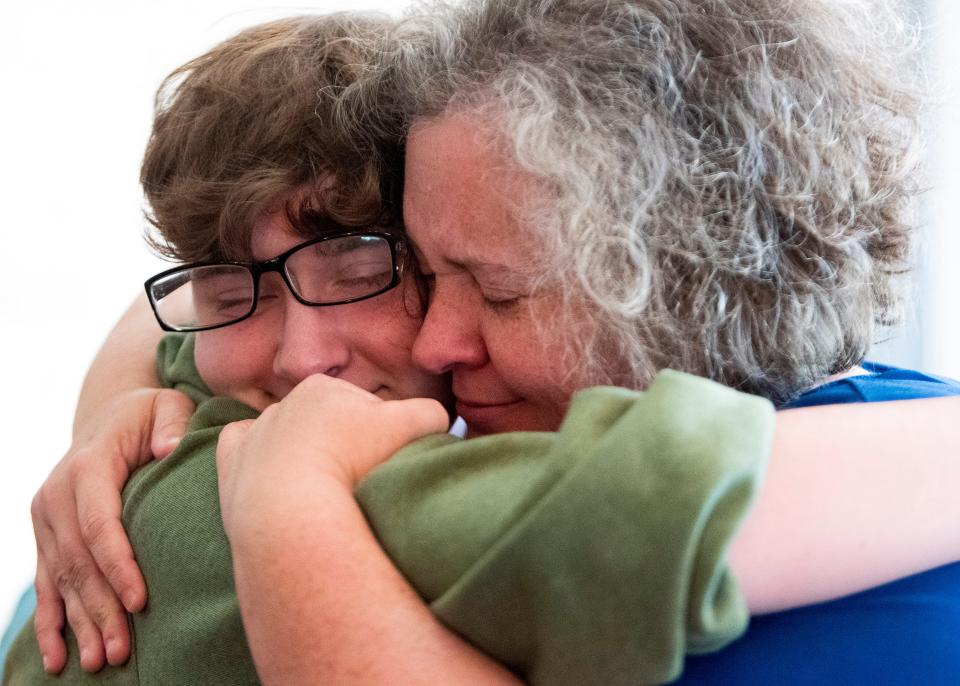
(248, 123)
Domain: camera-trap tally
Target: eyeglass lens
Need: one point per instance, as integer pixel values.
(340, 269)
(329, 272)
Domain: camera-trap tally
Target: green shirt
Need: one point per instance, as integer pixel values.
(591, 555)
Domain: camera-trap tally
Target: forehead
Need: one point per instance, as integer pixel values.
(462, 200)
(272, 235)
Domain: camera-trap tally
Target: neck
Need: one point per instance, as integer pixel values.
(853, 371)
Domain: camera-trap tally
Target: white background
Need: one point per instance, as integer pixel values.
(77, 83)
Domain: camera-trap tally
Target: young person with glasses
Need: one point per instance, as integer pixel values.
(294, 266)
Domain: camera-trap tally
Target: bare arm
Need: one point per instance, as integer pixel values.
(320, 600)
(854, 496)
(124, 362)
(822, 456)
(841, 510)
(343, 614)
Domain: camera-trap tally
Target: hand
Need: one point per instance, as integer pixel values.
(85, 564)
(325, 428)
(312, 581)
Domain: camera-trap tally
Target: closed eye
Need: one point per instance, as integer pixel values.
(501, 304)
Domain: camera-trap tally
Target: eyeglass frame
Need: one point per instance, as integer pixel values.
(398, 250)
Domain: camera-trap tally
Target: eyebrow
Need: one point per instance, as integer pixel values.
(465, 263)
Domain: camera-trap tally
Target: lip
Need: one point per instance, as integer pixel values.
(480, 414)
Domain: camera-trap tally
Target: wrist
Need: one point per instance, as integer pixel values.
(260, 520)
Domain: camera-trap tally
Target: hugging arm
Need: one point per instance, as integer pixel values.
(564, 547)
(904, 430)
(320, 601)
(449, 653)
(854, 496)
(85, 566)
(342, 613)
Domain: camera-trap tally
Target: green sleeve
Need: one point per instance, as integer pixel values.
(592, 555)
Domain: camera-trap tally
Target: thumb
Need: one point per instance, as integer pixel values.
(171, 413)
(418, 417)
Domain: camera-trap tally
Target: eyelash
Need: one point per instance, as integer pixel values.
(502, 305)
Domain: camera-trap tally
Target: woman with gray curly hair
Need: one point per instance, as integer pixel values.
(597, 192)
(715, 187)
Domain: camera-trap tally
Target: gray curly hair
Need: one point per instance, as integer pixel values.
(726, 183)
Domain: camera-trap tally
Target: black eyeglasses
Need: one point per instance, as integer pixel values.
(333, 270)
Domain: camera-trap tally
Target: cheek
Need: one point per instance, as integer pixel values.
(384, 333)
(528, 351)
(209, 362)
(387, 346)
(230, 362)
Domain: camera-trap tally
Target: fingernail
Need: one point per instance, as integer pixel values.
(46, 663)
(129, 600)
(110, 644)
(84, 655)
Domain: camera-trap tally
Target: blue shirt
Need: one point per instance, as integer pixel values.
(881, 383)
(905, 632)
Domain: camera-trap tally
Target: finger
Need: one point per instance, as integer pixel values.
(116, 573)
(88, 636)
(48, 621)
(403, 421)
(84, 583)
(324, 386)
(101, 606)
(98, 511)
(111, 620)
(419, 417)
(171, 413)
(90, 603)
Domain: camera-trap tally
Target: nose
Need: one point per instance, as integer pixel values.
(310, 342)
(450, 335)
